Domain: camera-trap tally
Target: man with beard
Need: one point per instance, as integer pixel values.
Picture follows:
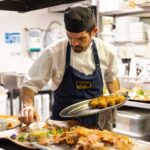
(78, 67)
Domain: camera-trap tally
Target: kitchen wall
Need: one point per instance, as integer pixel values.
(14, 57)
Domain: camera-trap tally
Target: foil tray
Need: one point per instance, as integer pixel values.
(83, 109)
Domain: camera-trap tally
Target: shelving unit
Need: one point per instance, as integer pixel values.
(140, 12)
(128, 12)
(127, 120)
(127, 42)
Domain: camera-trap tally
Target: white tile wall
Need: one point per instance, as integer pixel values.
(16, 22)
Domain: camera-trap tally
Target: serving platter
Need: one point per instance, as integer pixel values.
(5, 135)
(138, 145)
(83, 109)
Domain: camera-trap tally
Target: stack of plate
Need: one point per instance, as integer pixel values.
(122, 27)
(137, 32)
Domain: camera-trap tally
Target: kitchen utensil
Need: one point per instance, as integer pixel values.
(51, 147)
(83, 109)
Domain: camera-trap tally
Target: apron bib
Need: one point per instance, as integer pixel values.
(76, 87)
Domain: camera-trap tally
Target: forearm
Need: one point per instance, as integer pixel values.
(27, 96)
(113, 86)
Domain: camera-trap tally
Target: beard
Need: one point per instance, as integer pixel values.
(78, 49)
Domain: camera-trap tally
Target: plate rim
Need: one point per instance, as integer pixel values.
(94, 112)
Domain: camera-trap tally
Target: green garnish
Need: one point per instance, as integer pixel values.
(140, 92)
(22, 137)
(59, 131)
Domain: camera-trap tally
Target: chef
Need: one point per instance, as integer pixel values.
(78, 67)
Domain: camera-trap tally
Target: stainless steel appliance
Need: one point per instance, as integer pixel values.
(134, 122)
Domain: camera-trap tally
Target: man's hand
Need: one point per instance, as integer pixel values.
(113, 86)
(28, 115)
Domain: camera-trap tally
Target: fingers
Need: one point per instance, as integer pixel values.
(37, 117)
(28, 114)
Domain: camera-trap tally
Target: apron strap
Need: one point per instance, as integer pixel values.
(68, 55)
(95, 53)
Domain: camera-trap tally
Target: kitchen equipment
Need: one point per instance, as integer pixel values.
(11, 81)
(126, 61)
(3, 104)
(83, 109)
(133, 122)
(35, 42)
(53, 33)
(3, 124)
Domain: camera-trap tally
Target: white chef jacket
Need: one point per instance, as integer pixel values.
(50, 66)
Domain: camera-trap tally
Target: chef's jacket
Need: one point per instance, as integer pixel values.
(50, 66)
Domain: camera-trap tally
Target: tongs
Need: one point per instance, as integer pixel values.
(36, 145)
(51, 147)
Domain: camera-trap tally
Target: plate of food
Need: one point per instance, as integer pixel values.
(77, 137)
(10, 122)
(138, 94)
(50, 136)
(94, 106)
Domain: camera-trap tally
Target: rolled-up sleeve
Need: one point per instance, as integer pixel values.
(39, 73)
(112, 69)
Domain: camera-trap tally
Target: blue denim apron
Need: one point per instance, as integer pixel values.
(76, 87)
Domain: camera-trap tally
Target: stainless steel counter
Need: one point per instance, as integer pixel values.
(138, 104)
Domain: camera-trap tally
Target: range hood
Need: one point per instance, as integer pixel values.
(62, 7)
(29, 5)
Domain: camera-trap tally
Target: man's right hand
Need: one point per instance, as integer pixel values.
(28, 115)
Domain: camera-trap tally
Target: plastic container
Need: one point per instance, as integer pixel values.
(134, 122)
(3, 124)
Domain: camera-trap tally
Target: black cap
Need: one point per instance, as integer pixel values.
(79, 18)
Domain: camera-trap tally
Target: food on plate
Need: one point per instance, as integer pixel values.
(34, 133)
(76, 137)
(118, 98)
(137, 93)
(12, 121)
(94, 139)
(106, 101)
(94, 103)
(102, 103)
(37, 125)
(111, 101)
(41, 136)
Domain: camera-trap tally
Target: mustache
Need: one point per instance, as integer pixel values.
(76, 47)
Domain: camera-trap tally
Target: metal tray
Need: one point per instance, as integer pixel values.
(83, 109)
(140, 100)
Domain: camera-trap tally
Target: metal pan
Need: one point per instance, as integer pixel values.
(140, 100)
(83, 109)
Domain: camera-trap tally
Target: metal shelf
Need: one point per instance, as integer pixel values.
(126, 12)
(129, 42)
(137, 104)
